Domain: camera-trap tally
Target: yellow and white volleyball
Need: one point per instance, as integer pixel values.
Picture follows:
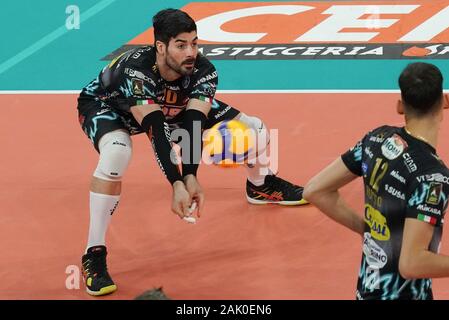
(228, 143)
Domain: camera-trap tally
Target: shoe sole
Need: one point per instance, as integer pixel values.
(103, 291)
(282, 203)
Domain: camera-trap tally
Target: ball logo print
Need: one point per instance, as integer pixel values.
(228, 144)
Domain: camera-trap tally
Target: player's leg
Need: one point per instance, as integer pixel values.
(262, 186)
(106, 130)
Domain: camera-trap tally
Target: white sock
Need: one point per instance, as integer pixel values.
(102, 207)
(257, 173)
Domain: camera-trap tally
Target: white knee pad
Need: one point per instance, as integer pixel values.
(115, 154)
(262, 135)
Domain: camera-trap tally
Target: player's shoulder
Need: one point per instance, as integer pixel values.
(379, 134)
(139, 63)
(139, 58)
(204, 67)
(428, 164)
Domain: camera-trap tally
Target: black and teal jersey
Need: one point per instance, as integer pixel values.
(403, 178)
(133, 78)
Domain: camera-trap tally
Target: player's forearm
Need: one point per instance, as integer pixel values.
(424, 264)
(331, 204)
(194, 122)
(154, 125)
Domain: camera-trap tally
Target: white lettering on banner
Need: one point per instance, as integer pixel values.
(293, 51)
(209, 28)
(347, 16)
(429, 29)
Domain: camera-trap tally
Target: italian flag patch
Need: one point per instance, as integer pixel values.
(427, 219)
(144, 102)
(205, 99)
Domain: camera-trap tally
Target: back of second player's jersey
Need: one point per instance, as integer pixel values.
(403, 178)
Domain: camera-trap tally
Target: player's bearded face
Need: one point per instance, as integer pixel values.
(181, 53)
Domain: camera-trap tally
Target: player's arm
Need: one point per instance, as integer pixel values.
(416, 261)
(152, 120)
(200, 99)
(426, 205)
(195, 118)
(323, 191)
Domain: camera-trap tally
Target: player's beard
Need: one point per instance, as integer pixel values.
(181, 68)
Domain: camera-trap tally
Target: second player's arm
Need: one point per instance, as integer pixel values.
(416, 261)
(322, 191)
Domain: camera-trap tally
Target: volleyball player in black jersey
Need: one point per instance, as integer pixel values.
(406, 187)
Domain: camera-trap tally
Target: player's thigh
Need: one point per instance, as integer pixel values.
(97, 118)
(220, 111)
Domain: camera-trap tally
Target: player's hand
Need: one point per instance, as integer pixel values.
(195, 191)
(181, 200)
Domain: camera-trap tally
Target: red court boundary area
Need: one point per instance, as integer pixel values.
(236, 251)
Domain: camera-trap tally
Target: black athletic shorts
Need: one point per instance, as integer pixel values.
(97, 118)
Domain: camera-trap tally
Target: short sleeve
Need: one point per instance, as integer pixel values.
(353, 159)
(427, 198)
(138, 88)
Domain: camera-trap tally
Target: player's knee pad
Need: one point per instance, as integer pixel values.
(115, 154)
(261, 134)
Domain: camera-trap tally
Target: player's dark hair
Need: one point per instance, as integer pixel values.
(168, 23)
(421, 88)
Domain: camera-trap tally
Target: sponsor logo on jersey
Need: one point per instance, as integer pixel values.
(423, 207)
(437, 177)
(103, 111)
(394, 192)
(377, 223)
(140, 75)
(137, 86)
(206, 78)
(393, 147)
(364, 168)
(374, 254)
(395, 174)
(434, 192)
(379, 138)
(409, 163)
(317, 30)
(368, 152)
